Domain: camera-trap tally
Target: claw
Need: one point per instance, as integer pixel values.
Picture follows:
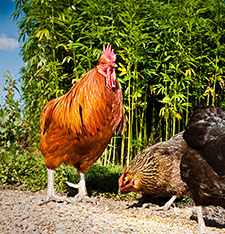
(82, 193)
(80, 198)
(165, 207)
(55, 198)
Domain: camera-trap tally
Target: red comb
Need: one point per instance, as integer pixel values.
(108, 53)
(123, 175)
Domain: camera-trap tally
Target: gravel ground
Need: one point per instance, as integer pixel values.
(20, 212)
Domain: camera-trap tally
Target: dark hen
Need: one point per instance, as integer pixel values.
(203, 161)
(156, 170)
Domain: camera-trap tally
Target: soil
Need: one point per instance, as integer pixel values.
(21, 212)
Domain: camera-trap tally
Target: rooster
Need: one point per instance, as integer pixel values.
(203, 161)
(156, 171)
(77, 127)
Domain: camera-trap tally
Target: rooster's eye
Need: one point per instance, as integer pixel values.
(102, 64)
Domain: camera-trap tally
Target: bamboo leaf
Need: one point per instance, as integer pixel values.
(43, 33)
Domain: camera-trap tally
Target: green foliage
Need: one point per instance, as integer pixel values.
(12, 124)
(103, 179)
(23, 171)
(170, 56)
(28, 171)
(186, 200)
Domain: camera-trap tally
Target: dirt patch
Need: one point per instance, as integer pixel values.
(21, 213)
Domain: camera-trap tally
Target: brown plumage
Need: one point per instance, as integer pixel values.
(203, 161)
(77, 127)
(156, 170)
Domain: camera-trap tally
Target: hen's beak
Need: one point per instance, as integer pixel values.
(114, 65)
(119, 191)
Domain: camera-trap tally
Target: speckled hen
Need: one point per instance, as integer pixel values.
(156, 170)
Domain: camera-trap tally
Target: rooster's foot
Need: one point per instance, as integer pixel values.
(55, 198)
(82, 193)
(85, 198)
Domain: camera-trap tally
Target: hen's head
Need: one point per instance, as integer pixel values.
(106, 66)
(128, 182)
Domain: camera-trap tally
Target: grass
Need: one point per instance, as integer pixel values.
(27, 171)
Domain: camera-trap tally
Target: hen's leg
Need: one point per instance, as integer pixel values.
(166, 206)
(82, 191)
(51, 192)
(201, 223)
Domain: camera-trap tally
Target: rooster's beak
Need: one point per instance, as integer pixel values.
(114, 65)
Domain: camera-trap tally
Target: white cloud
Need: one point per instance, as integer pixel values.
(8, 43)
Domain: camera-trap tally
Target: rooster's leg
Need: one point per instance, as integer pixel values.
(81, 186)
(51, 192)
(82, 191)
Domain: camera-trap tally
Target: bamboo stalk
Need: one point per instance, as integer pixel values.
(130, 123)
(122, 150)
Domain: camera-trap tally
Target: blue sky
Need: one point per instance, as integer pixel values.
(10, 59)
